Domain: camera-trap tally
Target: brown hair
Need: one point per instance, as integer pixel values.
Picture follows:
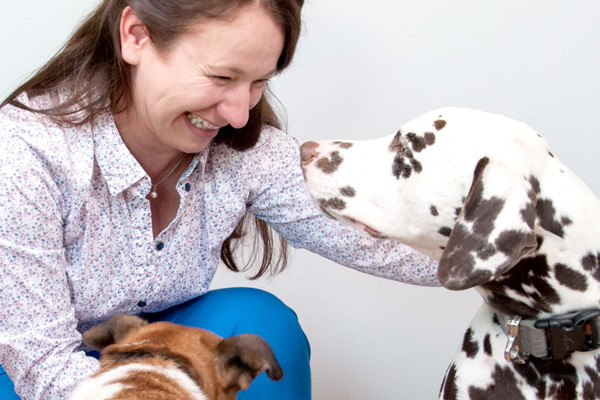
(91, 70)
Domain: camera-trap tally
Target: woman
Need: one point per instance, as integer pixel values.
(129, 165)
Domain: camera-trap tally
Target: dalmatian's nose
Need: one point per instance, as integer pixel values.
(308, 152)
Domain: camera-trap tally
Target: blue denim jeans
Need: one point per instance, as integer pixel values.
(233, 311)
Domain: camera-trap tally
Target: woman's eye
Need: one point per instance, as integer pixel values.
(261, 82)
(221, 78)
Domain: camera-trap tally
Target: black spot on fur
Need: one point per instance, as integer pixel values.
(433, 210)
(570, 278)
(334, 203)
(329, 164)
(348, 191)
(469, 346)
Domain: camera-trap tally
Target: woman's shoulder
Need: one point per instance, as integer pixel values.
(271, 141)
(20, 121)
(272, 156)
(32, 140)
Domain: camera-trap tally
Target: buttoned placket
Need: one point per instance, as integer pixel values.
(183, 187)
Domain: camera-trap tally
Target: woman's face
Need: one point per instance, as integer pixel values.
(211, 77)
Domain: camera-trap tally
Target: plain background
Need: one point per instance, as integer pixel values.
(362, 69)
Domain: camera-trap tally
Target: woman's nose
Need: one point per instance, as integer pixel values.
(235, 108)
(308, 152)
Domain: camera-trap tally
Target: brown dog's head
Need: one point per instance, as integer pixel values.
(220, 367)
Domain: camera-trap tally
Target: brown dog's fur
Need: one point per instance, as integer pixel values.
(219, 367)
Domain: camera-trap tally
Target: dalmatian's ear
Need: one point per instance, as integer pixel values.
(494, 229)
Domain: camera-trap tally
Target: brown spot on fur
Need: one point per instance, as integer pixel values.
(449, 384)
(334, 203)
(433, 210)
(528, 273)
(546, 213)
(470, 346)
(507, 241)
(457, 264)
(445, 231)
(344, 145)
(329, 164)
(420, 143)
(400, 168)
(416, 165)
(570, 278)
(348, 191)
(535, 184)
(504, 386)
(590, 263)
(487, 345)
(439, 124)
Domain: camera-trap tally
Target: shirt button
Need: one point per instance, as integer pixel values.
(188, 187)
(142, 304)
(160, 246)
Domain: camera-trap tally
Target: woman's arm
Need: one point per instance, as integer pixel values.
(38, 337)
(280, 197)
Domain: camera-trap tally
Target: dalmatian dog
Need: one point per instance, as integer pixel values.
(484, 195)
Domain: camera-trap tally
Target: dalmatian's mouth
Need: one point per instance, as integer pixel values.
(364, 227)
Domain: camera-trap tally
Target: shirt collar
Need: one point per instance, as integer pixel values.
(118, 166)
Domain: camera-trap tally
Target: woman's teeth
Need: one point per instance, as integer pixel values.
(198, 122)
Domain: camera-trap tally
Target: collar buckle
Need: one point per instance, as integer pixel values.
(571, 332)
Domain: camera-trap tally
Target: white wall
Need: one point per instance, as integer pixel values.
(362, 69)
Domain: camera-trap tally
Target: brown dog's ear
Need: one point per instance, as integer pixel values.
(242, 358)
(494, 229)
(112, 331)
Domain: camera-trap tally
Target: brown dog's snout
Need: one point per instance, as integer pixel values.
(308, 152)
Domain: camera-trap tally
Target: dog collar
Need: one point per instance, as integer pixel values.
(552, 338)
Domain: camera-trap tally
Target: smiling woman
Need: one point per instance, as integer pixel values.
(130, 163)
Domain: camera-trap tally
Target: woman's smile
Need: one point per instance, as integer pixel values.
(200, 127)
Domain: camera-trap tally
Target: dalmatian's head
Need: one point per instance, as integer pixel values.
(457, 185)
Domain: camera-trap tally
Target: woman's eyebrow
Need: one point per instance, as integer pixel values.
(238, 71)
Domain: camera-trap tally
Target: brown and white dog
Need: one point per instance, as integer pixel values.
(163, 360)
(485, 196)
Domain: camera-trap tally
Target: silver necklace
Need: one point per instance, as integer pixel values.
(153, 192)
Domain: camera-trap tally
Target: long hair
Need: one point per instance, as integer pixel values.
(91, 71)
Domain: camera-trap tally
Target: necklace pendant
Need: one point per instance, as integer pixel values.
(153, 193)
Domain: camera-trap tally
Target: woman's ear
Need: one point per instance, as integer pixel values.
(134, 37)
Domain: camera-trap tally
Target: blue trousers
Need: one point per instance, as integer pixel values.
(233, 311)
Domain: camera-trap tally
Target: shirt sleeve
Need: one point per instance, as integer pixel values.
(39, 342)
(281, 199)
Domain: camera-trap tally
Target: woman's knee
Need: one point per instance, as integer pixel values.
(231, 311)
